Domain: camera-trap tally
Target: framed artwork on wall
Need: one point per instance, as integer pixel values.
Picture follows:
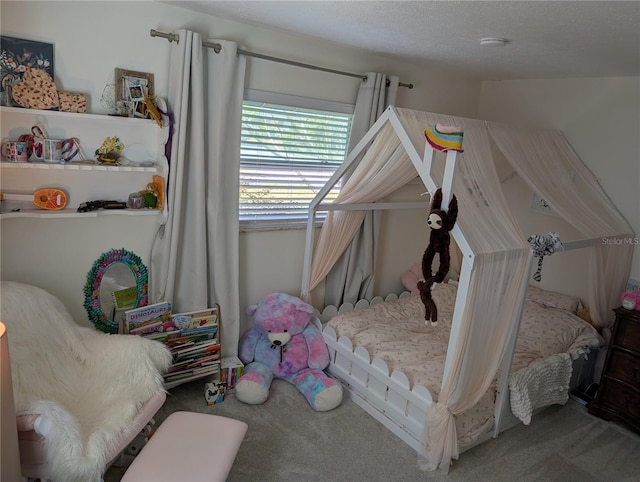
(130, 88)
(540, 205)
(16, 57)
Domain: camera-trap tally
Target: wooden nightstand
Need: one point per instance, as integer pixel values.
(618, 396)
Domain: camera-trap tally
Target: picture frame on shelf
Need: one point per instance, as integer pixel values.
(140, 110)
(135, 90)
(16, 57)
(130, 88)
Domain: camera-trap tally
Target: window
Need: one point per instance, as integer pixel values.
(287, 153)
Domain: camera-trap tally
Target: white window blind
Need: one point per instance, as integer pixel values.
(286, 155)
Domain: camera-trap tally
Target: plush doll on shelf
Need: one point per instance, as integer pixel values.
(440, 223)
(284, 343)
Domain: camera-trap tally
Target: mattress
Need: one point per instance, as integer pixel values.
(396, 332)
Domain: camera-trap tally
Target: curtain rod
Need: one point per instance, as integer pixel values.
(174, 37)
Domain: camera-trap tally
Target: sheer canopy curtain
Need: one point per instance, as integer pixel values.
(384, 168)
(351, 278)
(195, 258)
(496, 285)
(575, 194)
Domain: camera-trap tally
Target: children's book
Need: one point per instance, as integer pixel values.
(147, 319)
(200, 371)
(195, 319)
(123, 300)
(191, 338)
(210, 361)
(197, 351)
(126, 298)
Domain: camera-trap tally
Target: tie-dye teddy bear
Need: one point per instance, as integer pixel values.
(285, 344)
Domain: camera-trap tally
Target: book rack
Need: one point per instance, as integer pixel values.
(192, 337)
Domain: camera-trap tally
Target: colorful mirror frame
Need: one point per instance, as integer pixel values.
(101, 320)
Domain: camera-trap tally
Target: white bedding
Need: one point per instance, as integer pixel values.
(395, 331)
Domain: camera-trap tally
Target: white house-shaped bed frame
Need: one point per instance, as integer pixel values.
(389, 398)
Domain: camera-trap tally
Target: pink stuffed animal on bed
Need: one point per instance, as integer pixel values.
(410, 278)
(285, 344)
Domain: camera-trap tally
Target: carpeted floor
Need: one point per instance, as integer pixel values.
(288, 441)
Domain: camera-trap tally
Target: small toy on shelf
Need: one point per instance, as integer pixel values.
(150, 194)
(110, 150)
(135, 201)
(95, 205)
(152, 110)
(49, 198)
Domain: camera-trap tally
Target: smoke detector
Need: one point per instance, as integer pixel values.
(493, 42)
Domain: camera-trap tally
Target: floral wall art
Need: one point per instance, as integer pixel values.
(19, 55)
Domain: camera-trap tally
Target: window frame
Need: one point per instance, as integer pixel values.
(287, 100)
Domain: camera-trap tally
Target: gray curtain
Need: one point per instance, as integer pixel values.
(195, 257)
(351, 278)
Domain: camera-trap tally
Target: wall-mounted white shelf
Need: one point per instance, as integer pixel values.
(143, 142)
(73, 213)
(79, 166)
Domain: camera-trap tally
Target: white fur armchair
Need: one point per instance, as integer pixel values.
(81, 395)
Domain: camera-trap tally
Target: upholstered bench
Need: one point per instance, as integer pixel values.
(188, 447)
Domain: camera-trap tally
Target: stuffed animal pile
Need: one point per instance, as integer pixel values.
(285, 344)
(440, 222)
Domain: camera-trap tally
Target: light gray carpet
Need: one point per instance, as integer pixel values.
(288, 441)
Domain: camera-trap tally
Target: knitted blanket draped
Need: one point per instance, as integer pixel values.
(544, 382)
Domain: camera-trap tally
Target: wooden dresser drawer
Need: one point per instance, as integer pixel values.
(618, 397)
(621, 398)
(625, 367)
(628, 331)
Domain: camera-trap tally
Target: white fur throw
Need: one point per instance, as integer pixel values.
(86, 385)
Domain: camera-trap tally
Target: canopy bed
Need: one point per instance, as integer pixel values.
(489, 300)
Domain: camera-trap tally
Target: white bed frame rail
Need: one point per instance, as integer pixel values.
(387, 397)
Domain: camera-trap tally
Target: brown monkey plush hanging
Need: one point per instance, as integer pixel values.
(440, 222)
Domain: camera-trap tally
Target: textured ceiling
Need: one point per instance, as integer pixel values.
(548, 39)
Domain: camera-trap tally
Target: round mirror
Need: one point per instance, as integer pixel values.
(113, 271)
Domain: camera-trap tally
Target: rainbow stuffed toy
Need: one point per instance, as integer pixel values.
(444, 138)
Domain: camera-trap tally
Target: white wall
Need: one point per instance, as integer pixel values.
(601, 119)
(92, 38)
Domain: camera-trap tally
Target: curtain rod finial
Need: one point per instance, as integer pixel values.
(171, 37)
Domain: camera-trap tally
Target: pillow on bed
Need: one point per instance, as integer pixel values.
(554, 299)
(410, 278)
(547, 298)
